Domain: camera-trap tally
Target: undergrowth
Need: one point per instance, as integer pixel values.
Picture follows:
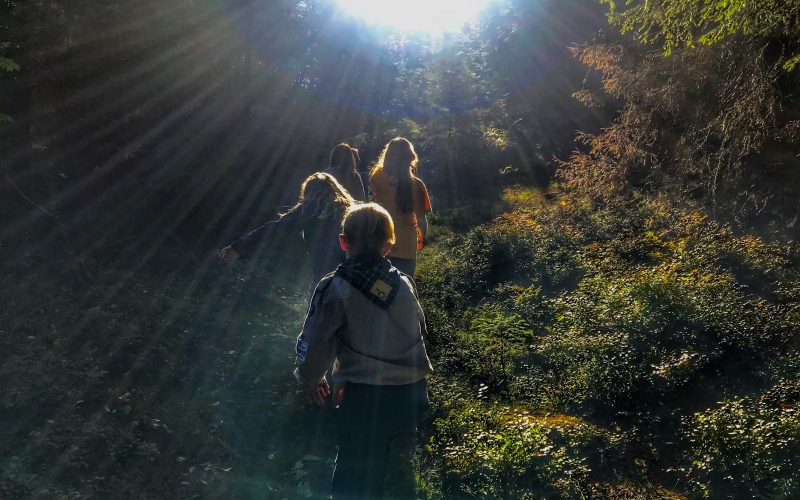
(627, 350)
(165, 377)
(582, 350)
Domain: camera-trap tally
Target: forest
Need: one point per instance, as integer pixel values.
(611, 276)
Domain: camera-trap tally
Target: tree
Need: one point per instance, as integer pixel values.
(8, 66)
(685, 22)
(715, 123)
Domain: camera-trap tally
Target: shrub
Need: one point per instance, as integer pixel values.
(504, 452)
(494, 346)
(750, 448)
(628, 316)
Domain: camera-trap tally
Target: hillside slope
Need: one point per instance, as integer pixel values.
(628, 350)
(581, 351)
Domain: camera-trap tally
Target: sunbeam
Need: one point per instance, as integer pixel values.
(422, 16)
(580, 308)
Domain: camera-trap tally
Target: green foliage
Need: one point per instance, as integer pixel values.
(627, 316)
(493, 345)
(712, 123)
(676, 23)
(792, 63)
(492, 452)
(8, 65)
(750, 447)
(707, 125)
(128, 381)
(575, 337)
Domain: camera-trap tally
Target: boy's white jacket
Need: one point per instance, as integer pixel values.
(364, 343)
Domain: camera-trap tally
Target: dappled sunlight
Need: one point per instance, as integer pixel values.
(610, 277)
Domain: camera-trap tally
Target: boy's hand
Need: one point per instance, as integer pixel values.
(317, 394)
(338, 397)
(228, 254)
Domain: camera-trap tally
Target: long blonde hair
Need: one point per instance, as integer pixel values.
(397, 159)
(321, 197)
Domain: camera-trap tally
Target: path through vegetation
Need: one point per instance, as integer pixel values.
(166, 381)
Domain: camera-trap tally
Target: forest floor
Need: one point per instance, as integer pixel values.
(155, 375)
(633, 351)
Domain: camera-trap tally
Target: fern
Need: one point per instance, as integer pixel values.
(8, 65)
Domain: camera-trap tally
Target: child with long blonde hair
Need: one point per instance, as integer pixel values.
(318, 215)
(395, 187)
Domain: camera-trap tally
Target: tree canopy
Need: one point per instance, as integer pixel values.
(676, 23)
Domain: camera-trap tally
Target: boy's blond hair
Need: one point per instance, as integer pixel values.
(367, 227)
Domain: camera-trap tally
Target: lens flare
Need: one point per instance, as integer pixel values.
(427, 16)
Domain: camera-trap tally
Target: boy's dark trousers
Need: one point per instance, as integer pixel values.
(368, 419)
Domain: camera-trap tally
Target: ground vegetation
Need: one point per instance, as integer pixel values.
(612, 317)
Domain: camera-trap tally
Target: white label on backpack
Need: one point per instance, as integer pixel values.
(381, 289)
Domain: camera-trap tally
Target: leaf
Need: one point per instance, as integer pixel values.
(8, 65)
(792, 63)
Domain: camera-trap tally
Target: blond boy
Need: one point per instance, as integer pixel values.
(365, 320)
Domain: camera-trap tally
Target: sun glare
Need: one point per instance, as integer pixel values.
(428, 16)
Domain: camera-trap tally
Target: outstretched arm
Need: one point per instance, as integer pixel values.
(247, 244)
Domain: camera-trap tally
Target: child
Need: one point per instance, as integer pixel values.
(318, 214)
(395, 187)
(366, 321)
(343, 167)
